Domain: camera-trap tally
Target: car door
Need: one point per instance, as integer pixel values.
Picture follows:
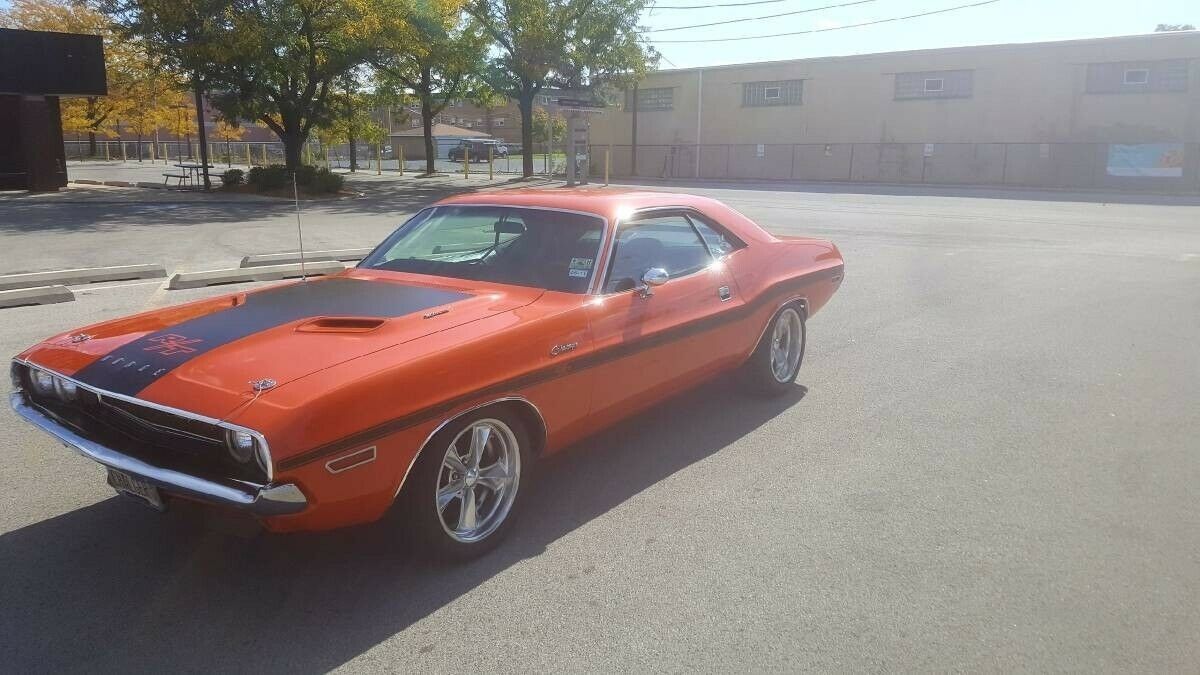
(648, 339)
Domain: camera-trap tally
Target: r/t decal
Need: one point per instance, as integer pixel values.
(171, 344)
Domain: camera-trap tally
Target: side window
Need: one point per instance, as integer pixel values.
(719, 244)
(668, 242)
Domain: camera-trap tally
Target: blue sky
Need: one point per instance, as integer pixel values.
(1002, 21)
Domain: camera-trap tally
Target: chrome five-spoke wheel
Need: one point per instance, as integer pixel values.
(478, 480)
(787, 345)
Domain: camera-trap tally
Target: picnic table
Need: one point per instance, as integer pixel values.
(189, 173)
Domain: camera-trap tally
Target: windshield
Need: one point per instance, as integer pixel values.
(555, 250)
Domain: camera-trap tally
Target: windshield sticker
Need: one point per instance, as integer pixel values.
(581, 264)
(582, 274)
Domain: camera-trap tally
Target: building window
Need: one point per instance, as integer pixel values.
(1137, 76)
(479, 121)
(415, 123)
(935, 84)
(780, 92)
(649, 100)
(499, 122)
(470, 125)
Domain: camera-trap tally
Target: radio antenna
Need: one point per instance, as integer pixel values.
(299, 229)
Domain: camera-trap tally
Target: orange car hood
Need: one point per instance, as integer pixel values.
(204, 357)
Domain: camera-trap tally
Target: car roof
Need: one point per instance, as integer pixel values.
(610, 203)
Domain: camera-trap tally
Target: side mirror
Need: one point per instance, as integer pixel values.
(655, 276)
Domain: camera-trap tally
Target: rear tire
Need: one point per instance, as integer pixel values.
(772, 368)
(480, 461)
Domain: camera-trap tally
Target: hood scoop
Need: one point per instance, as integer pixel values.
(341, 324)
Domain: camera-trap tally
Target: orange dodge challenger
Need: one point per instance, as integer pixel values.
(488, 330)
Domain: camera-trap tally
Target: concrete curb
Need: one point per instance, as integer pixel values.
(86, 275)
(243, 274)
(41, 295)
(343, 254)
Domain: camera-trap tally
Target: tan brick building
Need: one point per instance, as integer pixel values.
(1110, 112)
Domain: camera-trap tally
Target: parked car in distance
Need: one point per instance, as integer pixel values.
(478, 150)
(487, 331)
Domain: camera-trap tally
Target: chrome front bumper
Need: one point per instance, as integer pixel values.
(270, 500)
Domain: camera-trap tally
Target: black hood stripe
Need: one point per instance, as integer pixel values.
(132, 367)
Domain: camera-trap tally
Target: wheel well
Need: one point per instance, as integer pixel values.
(522, 408)
(534, 424)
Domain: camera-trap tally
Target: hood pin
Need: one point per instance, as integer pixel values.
(262, 385)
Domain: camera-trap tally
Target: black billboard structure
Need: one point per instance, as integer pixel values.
(36, 69)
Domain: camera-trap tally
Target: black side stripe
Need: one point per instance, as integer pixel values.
(590, 360)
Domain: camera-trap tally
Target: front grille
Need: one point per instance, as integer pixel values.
(154, 436)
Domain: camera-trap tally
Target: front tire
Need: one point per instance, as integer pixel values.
(460, 498)
(776, 361)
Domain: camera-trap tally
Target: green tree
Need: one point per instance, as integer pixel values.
(547, 128)
(1173, 27)
(273, 61)
(568, 43)
(185, 37)
(352, 120)
(430, 49)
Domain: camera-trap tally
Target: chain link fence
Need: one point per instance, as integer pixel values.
(242, 154)
(1050, 165)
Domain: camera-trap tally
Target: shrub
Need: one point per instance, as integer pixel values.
(305, 175)
(269, 177)
(325, 180)
(233, 177)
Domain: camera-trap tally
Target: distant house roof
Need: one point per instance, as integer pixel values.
(443, 130)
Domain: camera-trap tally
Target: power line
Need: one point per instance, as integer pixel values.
(825, 30)
(758, 18)
(719, 4)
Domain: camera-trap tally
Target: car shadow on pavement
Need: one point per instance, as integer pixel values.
(114, 587)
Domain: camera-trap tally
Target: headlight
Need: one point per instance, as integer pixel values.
(43, 382)
(262, 458)
(66, 389)
(241, 445)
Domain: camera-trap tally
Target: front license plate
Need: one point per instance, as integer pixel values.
(123, 483)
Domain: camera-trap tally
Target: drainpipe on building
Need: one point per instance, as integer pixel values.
(699, 108)
(633, 147)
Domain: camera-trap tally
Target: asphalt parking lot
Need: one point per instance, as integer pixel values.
(990, 463)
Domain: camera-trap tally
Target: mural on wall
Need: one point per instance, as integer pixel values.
(1149, 160)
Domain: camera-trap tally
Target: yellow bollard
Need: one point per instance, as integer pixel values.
(490, 167)
(466, 162)
(606, 163)
(378, 159)
(401, 157)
